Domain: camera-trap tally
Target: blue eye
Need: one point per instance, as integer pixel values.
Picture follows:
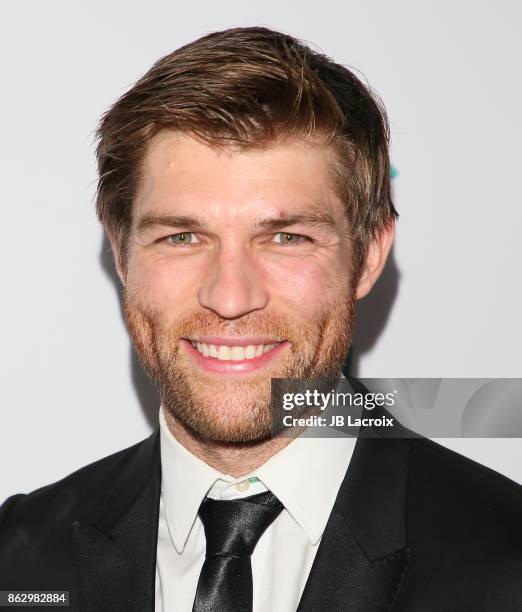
(289, 239)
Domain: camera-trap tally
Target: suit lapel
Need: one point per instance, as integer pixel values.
(115, 546)
(363, 558)
(343, 578)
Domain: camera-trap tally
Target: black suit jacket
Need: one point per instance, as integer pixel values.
(415, 526)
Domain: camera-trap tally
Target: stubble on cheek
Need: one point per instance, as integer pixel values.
(235, 410)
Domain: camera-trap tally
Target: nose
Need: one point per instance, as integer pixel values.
(234, 284)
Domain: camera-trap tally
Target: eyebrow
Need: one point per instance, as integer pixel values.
(150, 220)
(314, 218)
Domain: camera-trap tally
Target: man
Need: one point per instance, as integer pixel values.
(244, 186)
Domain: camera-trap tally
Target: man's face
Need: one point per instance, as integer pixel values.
(238, 271)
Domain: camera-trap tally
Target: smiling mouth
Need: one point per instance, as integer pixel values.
(232, 353)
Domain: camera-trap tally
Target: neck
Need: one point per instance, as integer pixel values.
(233, 459)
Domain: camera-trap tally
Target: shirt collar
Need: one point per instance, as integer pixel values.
(305, 476)
(184, 484)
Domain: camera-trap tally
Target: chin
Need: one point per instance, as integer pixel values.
(235, 426)
(230, 433)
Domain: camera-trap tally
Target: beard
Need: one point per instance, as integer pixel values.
(235, 409)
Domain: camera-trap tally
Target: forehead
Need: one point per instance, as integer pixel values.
(181, 171)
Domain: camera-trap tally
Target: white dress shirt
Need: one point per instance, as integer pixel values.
(305, 476)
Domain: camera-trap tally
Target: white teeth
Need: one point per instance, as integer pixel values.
(250, 351)
(232, 353)
(224, 353)
(237, 353)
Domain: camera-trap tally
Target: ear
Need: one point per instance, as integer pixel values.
(117, 259)
(375, 259)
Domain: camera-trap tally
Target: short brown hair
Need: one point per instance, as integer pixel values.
(247, 87)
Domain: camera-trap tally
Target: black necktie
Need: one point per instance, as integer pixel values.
(232, 529)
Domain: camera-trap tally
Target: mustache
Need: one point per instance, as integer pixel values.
(254, 324)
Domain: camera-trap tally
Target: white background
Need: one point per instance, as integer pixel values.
(449, 303)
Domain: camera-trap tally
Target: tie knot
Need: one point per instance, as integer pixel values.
(233, 527)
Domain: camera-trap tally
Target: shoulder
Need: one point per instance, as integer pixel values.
(463, 527)
(65, 494)
(445, 481)
(36, 527)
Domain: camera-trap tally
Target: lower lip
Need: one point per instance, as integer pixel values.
(211, 364)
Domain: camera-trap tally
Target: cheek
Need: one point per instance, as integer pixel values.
(308, 286)
(304, 286)
(161, 285)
